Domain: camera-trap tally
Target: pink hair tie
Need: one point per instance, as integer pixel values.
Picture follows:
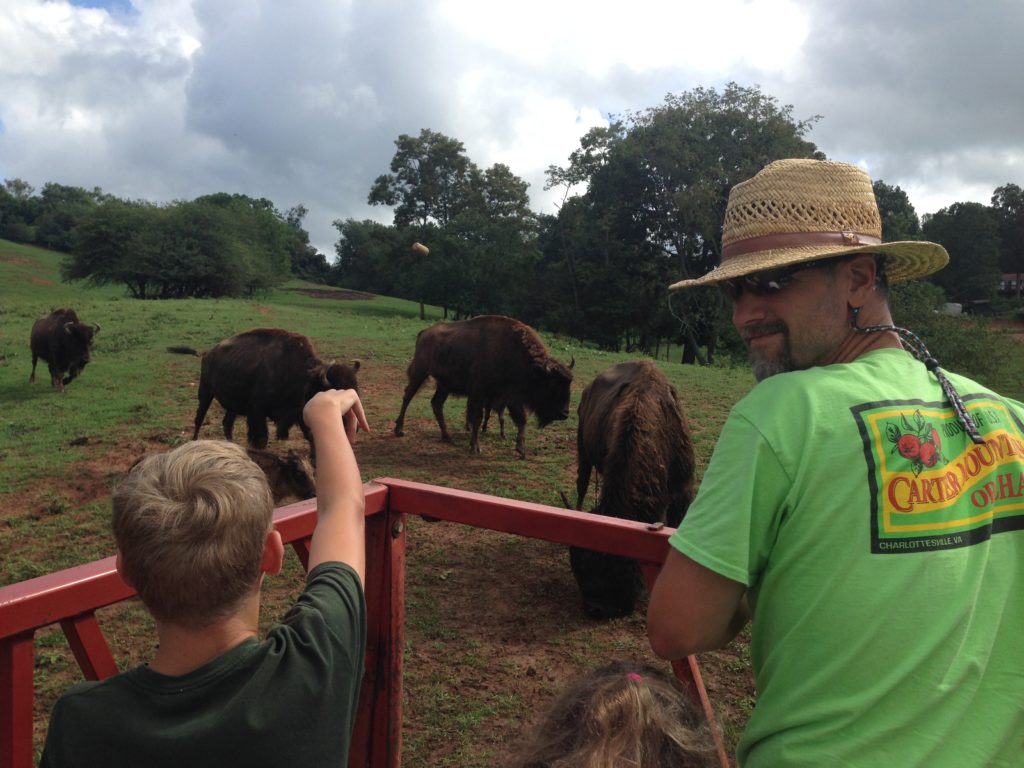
(634, 676)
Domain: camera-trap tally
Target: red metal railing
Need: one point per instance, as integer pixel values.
(71, 598)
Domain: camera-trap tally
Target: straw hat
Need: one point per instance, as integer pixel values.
(795, 211)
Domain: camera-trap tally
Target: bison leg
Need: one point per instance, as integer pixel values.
(500, 410)
(416, 379)
(283, 427)
(32, 376)
(257, 423)
(56, 379)
(73, 373)
(474, 415)
(437, 404)
(228, 424)
(582, 479)
(308, 434)
(518, 416)
(205, 399)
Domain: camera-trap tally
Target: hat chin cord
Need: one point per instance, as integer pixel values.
(913, 344)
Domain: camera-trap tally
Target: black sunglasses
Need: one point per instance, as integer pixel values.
(770, 281)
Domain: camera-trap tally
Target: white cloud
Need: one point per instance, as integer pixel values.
(302, 102)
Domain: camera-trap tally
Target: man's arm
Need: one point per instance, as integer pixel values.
(333, 417)
(693, 609)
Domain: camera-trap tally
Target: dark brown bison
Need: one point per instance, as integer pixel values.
(64, 343)
(489, 359)
(290, 478)
(633, 431)
(265, 373)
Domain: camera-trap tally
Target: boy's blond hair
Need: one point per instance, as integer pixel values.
(190, 526)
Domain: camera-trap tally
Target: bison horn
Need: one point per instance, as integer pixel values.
(97, 327)
(323, 376)
(67, 327)
(355, 365)
(572, 362)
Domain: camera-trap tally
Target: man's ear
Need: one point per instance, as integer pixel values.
(863, 271)
(273, 554)
(119, 566)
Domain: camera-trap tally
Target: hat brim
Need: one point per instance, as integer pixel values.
(907, 260)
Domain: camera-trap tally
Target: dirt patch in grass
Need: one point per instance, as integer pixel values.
(338, 294)
(493, 621)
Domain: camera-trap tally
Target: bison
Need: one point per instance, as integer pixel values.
(266, 373)
(289, 478)
(490, 360)
(633, 431)
(64, 343)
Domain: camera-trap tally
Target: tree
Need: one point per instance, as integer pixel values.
(117, 242)
(216, 245)
(1008, 207)
(477, 224)
(657, 186)
(899, 219)
(306, 261)
(373, 257)
(429, 180)
(969, 232)
(18, 211)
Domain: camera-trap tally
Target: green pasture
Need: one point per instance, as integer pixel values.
(134, 390)
(135, 396)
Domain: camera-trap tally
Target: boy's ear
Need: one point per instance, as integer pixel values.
(119, 566)
(273, 554)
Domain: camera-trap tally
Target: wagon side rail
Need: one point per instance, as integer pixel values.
(646, 543)
(71, 598)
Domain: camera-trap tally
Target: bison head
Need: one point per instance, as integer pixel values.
(82, 335)
(333, 376)
(549, 391)
(299, 473)
(610, 585)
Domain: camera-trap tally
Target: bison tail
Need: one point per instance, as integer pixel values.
(183, 351)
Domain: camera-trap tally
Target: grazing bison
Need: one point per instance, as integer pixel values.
(490, 360)
(290, 478)
(64, 343)
(632, 430)
(266, 373)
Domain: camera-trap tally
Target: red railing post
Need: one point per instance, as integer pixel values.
(377, 736)
(89, 646)
(688, 672)
(17, 665)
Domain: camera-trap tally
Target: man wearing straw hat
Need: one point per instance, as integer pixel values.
(867, 506)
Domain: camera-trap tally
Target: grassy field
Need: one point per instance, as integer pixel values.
(493, 621)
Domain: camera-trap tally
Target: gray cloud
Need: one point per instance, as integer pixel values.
(301, 103)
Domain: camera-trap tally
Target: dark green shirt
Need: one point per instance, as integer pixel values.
(289, 700)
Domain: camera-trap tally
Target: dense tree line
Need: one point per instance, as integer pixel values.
(216, 245)
(644, 201)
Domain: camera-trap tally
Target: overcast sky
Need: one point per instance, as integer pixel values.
(301, 102)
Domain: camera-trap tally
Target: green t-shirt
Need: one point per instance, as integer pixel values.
(289, 700)
(884, 555)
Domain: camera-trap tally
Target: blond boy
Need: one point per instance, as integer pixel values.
(194, 536)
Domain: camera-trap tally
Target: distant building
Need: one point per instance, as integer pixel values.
(1010, 284)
